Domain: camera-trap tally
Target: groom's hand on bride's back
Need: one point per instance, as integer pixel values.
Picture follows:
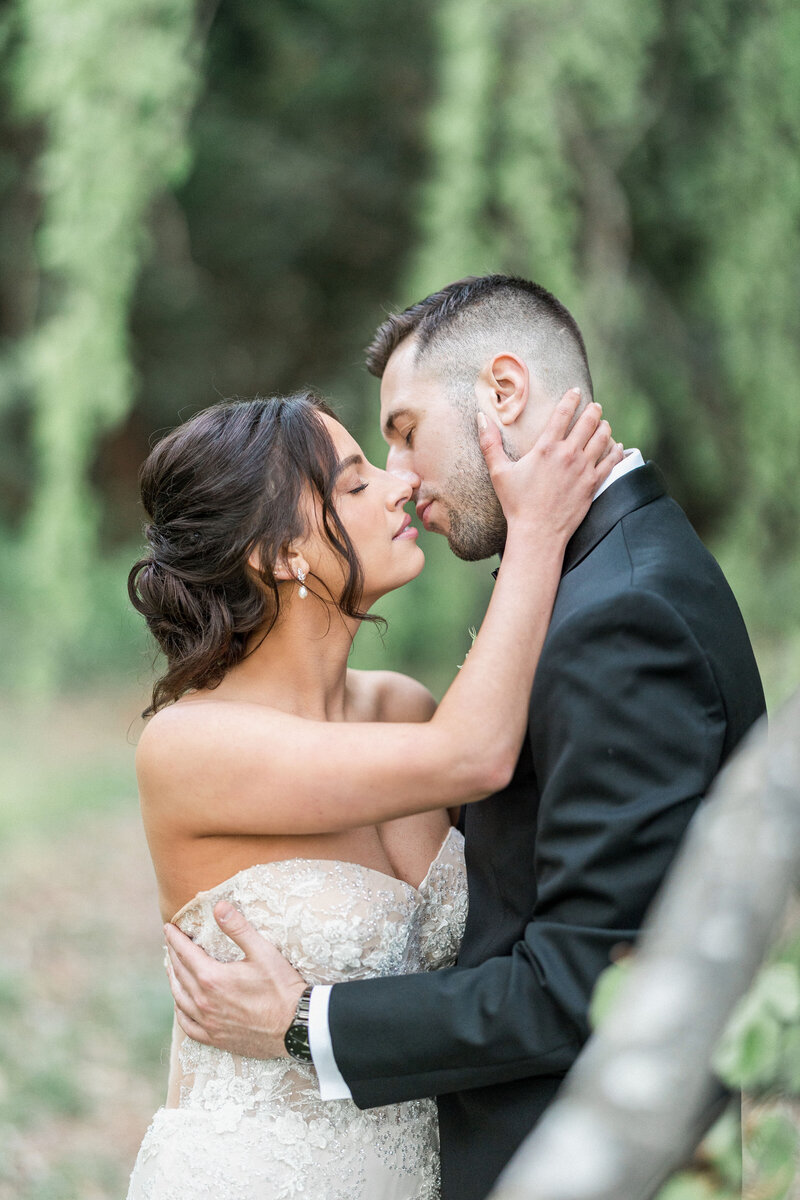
(244, 1007)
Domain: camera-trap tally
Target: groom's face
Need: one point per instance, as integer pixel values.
(434, 443)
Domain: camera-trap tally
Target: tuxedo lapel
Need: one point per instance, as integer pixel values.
(632, 491)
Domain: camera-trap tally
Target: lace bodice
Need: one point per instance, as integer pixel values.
(263, 1129)
(337, 920)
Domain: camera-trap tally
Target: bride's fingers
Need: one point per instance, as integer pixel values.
(599, 444)
(584, 428)
(562, 416)
(491, 444)
(606, 454)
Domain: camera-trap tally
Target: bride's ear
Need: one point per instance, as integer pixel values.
(289, 565)
(503, 387)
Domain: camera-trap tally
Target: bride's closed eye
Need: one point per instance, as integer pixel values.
(361, 487)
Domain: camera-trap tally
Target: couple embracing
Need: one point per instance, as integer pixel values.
(385, 919)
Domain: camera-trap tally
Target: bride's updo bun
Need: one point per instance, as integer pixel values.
(227, 482)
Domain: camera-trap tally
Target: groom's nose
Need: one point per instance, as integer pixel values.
(396, 465)
(409, 477)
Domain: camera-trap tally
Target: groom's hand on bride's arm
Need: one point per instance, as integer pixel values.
(243, 1007)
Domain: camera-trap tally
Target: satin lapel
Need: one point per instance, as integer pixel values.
(632, 491)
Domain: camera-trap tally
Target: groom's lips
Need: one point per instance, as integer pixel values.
(422, 512)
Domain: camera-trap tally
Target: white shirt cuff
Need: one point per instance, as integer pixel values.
(331, 1083)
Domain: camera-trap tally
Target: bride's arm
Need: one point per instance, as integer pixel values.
(232, 767)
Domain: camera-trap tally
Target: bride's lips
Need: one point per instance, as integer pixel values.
(422, 511)
(406, 530)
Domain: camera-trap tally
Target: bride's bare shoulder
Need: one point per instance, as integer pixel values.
(387, 696)
(183, 731)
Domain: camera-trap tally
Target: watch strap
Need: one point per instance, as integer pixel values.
(296, 1039)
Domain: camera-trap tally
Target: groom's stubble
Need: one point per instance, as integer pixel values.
(477, 524)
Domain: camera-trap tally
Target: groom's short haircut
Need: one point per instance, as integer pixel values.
(458, 329)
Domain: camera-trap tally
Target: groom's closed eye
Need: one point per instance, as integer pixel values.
(405, 432)
(397, 424)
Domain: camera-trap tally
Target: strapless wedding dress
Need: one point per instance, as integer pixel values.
(250, 1129)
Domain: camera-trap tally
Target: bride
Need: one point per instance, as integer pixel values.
(316, 798)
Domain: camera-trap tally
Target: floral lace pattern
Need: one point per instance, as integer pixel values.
(247, 1128)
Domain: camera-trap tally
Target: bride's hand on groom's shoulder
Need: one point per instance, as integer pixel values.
(549, 489)
(244, 1007)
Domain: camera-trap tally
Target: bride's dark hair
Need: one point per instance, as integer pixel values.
(228, 482)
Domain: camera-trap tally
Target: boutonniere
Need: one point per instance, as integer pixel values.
(473, 633)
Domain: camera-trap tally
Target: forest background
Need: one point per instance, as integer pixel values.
(216, 199)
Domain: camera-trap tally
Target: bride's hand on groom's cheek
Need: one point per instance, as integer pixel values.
(243, 1007)
(551, 485)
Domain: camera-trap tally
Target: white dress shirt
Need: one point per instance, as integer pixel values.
(332, 1085)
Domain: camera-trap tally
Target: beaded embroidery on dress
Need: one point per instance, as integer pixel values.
(250, 1129)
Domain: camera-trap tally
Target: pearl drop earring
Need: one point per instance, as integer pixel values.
(302, 591)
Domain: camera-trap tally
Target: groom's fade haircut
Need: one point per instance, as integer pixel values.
(457, 330)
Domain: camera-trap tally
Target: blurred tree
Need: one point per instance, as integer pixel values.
(264, 270)
(272, 261)
(19, 145)
(640, 159)
(113, 84)
(276, 257)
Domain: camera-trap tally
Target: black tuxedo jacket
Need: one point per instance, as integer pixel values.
(646, 683)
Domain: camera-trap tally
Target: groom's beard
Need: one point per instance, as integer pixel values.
(477, 525)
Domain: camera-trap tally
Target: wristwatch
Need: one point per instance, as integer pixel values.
(296, 1040)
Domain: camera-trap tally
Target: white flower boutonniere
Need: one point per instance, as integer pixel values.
(473, 633)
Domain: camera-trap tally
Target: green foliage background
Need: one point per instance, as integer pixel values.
(205, 200)
(202, 198)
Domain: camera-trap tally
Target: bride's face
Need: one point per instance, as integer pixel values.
(371, 506)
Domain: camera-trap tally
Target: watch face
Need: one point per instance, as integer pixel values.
(296, 1042)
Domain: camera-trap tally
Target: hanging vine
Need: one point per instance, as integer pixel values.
(112, 82)
(454, 200)
(641, 161)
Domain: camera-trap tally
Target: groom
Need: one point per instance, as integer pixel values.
(646, 683)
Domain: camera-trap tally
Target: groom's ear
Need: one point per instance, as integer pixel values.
(504, 387)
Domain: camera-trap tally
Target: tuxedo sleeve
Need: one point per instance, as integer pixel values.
(626, 731)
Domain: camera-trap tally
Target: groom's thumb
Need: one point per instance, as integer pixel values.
(491, 443)
(237, 927)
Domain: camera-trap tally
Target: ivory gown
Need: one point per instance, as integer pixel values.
(248, 1129)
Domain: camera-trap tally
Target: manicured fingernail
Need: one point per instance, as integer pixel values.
(482, 422)
(224, 911)
(599, 407)
(578, 392)
(620, 447)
